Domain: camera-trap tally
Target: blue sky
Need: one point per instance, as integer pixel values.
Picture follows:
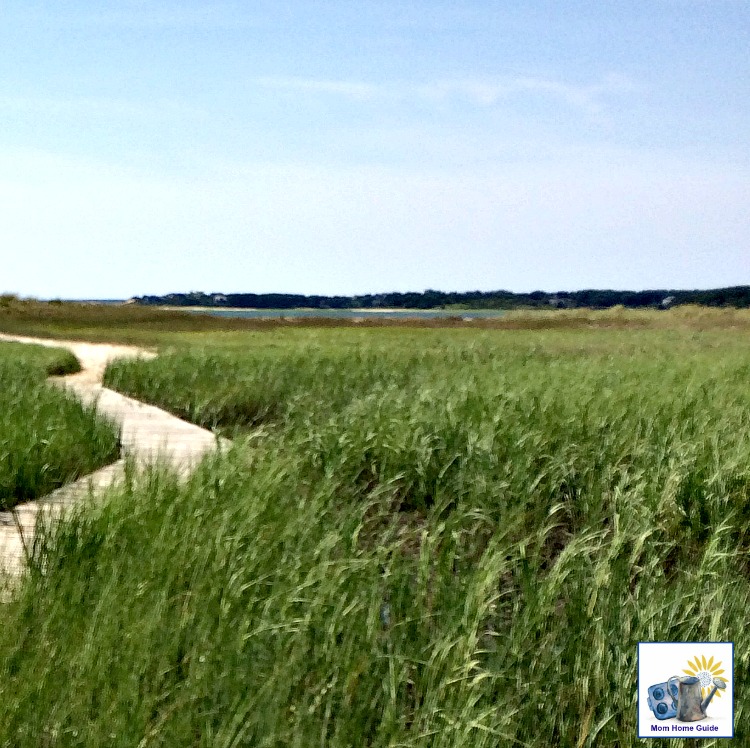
(354, 146)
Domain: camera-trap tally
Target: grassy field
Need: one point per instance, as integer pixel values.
(422, 537)
(46, 437)
(142, 325)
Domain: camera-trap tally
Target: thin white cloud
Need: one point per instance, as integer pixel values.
(348, 89)
(479, 92)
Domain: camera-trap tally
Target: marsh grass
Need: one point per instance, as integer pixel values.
(426, 540)
(47, 438)
(145, 325)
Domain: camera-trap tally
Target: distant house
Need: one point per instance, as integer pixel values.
(558, 302)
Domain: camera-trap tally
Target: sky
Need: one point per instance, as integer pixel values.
(364, 146)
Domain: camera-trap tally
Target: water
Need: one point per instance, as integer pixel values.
(351, 313)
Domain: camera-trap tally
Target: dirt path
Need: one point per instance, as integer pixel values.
(147, 433)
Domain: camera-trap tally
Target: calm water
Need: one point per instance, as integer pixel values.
(349, 313)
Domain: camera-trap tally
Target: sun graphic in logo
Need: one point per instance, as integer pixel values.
(706, 671)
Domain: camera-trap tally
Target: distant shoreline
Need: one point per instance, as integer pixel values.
(357, 310)
(417, 304)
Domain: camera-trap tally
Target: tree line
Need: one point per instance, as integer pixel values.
(735, 296)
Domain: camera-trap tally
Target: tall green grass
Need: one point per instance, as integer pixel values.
(443, 541)
(47, 438)
(40, 361)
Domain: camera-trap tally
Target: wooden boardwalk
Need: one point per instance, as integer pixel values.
(147, 433)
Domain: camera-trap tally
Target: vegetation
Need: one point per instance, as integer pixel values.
(426, 538)
(147, 325)
(737, 296)
(46, 437)
(39, 361)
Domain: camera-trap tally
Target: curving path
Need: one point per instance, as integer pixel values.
(147, 433)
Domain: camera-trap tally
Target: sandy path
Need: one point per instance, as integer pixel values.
(147, 433)
(94, 357)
